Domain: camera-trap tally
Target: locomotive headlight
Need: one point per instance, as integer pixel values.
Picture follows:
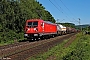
(35, 29)
(28, 29)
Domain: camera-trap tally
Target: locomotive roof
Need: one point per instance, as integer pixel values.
(49, 22)
(40, 20)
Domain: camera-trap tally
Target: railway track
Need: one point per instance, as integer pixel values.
(21, 51)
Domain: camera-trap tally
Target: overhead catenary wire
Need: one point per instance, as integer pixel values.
(58, 8)
(68, 9)
(55, 5)
(63, 10)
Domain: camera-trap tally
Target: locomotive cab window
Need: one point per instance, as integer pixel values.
(29, 23)
(33, 24)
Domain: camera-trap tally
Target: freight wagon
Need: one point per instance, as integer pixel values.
(61, 29)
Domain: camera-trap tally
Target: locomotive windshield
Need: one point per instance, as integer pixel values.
(33, 24)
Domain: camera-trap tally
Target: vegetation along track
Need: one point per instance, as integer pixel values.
(23, 51)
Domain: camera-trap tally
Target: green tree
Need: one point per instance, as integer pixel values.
(14, 13)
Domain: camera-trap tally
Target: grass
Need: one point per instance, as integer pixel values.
(10, 37)
(78, 50)
(81, 51)
(9, 42)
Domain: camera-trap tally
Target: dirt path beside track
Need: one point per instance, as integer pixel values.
(70, 41)
(66, 45)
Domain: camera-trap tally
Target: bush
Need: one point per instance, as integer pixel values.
(81, 50)
(10, 36)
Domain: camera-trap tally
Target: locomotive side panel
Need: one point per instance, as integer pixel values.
(50, 28)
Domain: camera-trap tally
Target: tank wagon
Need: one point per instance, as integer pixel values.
(61, 29)
(38, 28)
(68, 30)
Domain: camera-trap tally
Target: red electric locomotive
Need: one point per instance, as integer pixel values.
(35, 28)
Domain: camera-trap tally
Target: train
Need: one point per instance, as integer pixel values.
(39, 29)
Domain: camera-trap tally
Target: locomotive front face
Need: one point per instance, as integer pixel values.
(31, 28)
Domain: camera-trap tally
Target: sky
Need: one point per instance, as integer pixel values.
(71, 11)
